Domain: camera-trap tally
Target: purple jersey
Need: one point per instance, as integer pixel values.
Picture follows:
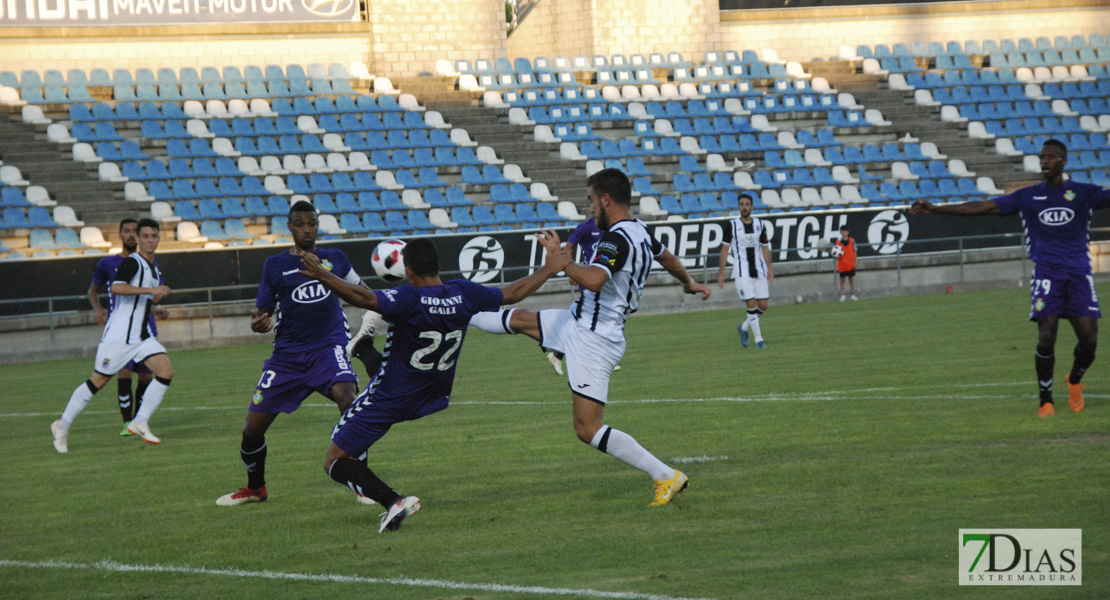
(1057, 222)
(105, 273)
(426, 330)
(585, 236)
(307, 315)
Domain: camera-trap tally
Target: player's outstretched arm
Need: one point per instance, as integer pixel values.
(355, 295)
(554, 260)
(674, 266)
(963, 209)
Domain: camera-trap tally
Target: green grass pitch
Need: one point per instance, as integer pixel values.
(838, 463)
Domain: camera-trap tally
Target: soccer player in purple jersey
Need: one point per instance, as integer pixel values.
(427, 325)
(309, 347)
(1056, 214)
(105, 272)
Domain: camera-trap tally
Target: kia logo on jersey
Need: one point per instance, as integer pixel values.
(1056, 216)
(310, 292)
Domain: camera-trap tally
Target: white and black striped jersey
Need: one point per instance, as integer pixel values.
(626, 251)
(129, 322)
(747, 241)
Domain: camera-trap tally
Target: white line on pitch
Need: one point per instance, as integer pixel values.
(830, 396)
(108, 565)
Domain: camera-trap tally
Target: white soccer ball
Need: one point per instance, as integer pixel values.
(836, 251)
(387, 261)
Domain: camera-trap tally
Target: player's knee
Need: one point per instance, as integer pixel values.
(585, 430)
(328, 462)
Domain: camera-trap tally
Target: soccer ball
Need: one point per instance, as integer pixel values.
(387, 261)
(836, 251)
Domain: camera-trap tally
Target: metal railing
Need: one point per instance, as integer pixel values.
(705, 268)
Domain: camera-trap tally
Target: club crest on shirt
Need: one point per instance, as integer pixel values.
(1039, 304)
(1069, 195)
(327, 265)
(257, 396)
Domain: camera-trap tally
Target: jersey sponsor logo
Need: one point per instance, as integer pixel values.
(481, 259)
(310, 292)
(887, 231)
(1056, 216)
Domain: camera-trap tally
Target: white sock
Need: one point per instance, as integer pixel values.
(626, 449)
(744, 326)
(753, 325)
(494, 321)
(77, 403)
(152, 397)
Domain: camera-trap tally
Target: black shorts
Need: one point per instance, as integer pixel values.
(851, 273)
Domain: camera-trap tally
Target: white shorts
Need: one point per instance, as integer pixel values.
(752, 288)
(111, 356)
(590, 357)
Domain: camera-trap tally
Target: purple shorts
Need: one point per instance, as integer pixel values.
(287, 379)
(140, 368)
(366, 422)
(1056, 293)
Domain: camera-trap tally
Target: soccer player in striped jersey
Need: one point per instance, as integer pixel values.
(427, 326)
(591, 332)
(746, 242)
(103, 275)
(137, 285)
(309, 346)
(1056, 214)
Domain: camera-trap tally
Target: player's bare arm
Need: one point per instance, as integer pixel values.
(121, 288)
(94, 302)
(721, 269)
(963, 209)
(767, 257)
(673, 265)
(555, 260)
(355, 295)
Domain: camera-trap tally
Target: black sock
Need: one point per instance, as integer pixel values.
(1046, 363)
(254, 459)
(127, 408)
(365, 351)
(139, 391)
(362, 480)
(1084, 356)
